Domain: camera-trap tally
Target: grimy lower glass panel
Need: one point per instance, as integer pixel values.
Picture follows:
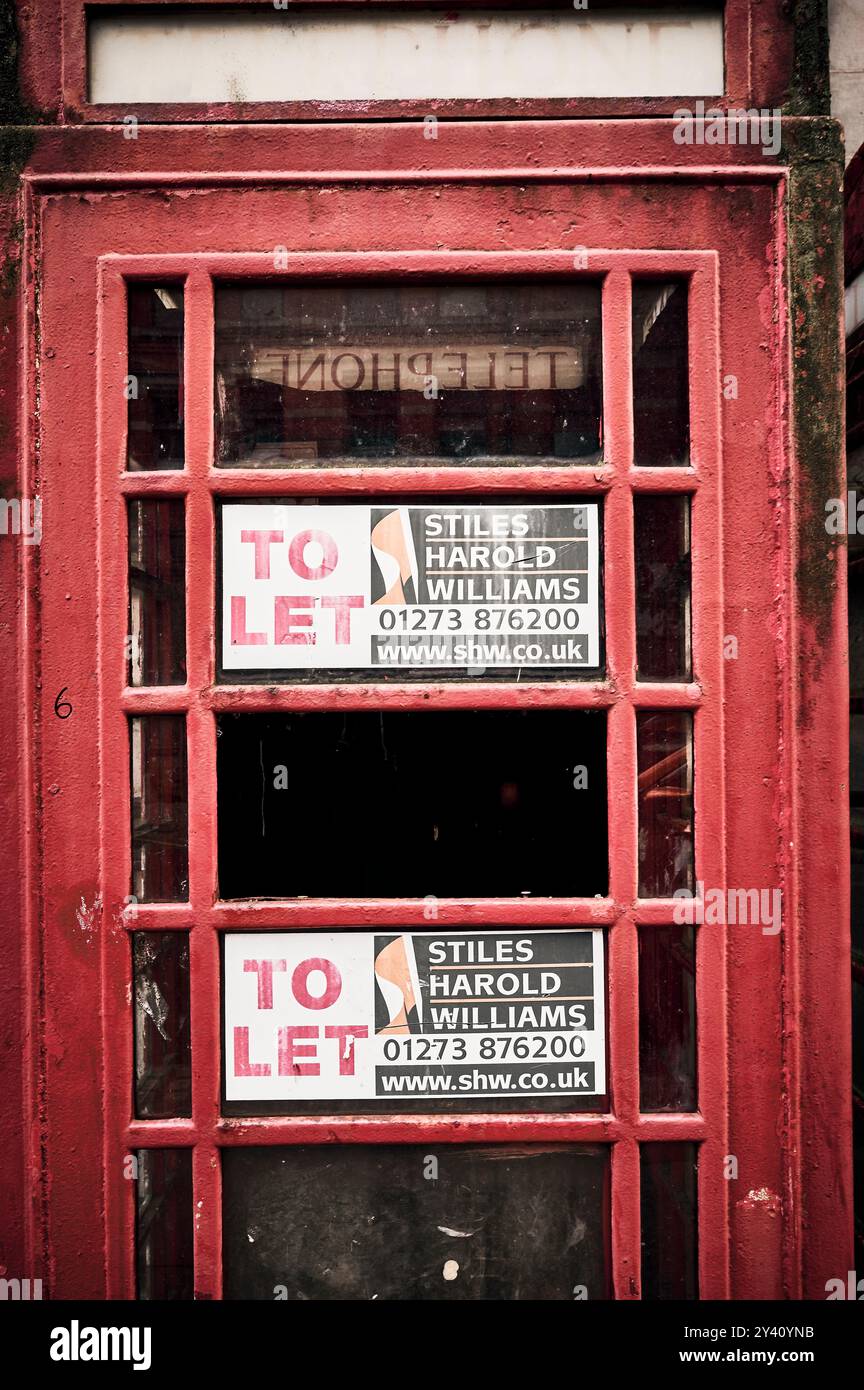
(444, 803)
(163, 1233)
(443, 372)
(160, 831)
(661, 392)
(665, 795)
(157, 592)
(667, 1018)
(163, 1059)
(154, 383)
(669, 1224)
(414, 1222)
(662, 539)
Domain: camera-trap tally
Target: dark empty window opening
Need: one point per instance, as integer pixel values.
(444, 803)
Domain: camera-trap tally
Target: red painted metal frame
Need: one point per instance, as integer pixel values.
(619, 694)
(757, 53)
(90, 193)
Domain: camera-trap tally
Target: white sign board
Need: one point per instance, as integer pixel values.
(378, 586)
(424, 1015)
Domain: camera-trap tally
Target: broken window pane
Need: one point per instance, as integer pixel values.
(665, 784)
(410, 1222)
(662, 538)
(450, 803)
(154, 382)
(434, 373)
(661, 392)
(163, 1233)
(163, 1064)
(669, 1267)
(667, 1018)
(160, 835)
(157, 593)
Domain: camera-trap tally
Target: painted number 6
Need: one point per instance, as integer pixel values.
(60, 705)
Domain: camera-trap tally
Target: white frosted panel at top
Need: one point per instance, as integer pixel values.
(349, 56)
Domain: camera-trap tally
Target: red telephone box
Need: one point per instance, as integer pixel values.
(545, 348)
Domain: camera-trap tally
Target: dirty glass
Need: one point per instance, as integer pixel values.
(661, 393)
(662, 540)
(163, 1066)
(858, 1144)
(163, 1228)
(665, 797)
(427, 373)
(667, 1018)
(160, 832)
(379, 804)
(157, 594)
(154, 382)
(669, 1253)
(416, 1222)
(855, 574)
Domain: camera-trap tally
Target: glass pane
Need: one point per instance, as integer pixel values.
(386, 372)
(163, 1064)
(669, 1267)
(408, 1222)
(667, 1018)
(662, 538)
(164, 1226)
(858, 1166)
(157, 594)
(160, 835)
(154, 385)
(661, 393)
(858, 1026)
(855, 574)
(856, 811)
(455, 804)
(665, 761)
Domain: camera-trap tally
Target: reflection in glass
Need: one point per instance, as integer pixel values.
(661, 393)
(154, 386)
(163, 1067)
(157, 596)
(160, 834)
(356, 1222)
(662, 539)
(163, 1232)
(450, 372)
(669, 1267)
(665, 788)
(667, 1018)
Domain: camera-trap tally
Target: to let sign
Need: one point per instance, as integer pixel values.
(375, 1016)
(372, 587)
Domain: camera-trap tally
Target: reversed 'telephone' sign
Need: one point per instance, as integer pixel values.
(392, 587)
(368, 1016)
